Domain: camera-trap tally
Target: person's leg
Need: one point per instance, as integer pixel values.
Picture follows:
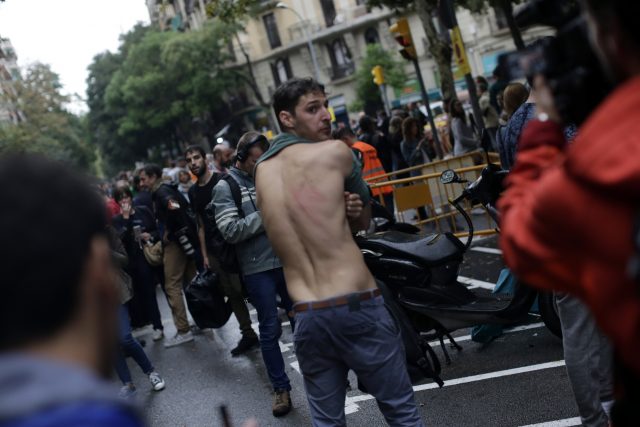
(389, 203)
(148, 293)
(262, 293)
(324, 373)
(232, 288)
(121, 364)
(175, 264)
(583, 346)
(285, 299)
(371, 346)
(131, 346)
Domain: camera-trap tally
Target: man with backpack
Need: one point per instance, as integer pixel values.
(178, 231)
(200, 195)
(240, 223)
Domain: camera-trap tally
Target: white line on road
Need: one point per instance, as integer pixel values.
(567, 422)
(352, 400)
(476, 283)
(506, 331)
(486, 250)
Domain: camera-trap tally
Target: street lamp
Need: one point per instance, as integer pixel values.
(316, 73)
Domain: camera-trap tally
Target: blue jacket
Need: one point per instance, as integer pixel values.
(37, 392)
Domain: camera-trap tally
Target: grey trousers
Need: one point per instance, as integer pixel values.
(361, 337)
(589, 359)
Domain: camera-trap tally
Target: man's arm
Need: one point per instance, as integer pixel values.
(534, 228)
(233, 228)
(201, 239)
(357, 195)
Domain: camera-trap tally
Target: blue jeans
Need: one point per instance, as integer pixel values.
(365, 339)
(262, 289)
(132, 347)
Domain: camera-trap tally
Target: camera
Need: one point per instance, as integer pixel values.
(567, 61)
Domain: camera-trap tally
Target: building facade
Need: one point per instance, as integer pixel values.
(277, 41)
(9, 74)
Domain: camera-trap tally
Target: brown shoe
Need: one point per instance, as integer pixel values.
(281, 403)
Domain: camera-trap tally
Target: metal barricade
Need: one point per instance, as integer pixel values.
(427, 192)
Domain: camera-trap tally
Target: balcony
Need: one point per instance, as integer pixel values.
(341, 71)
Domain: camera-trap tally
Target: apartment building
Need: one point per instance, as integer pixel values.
(9, 73)
(328, 39)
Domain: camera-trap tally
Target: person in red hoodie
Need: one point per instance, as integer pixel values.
(568, 213)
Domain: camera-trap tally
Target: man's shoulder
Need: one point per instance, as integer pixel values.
(96, 414)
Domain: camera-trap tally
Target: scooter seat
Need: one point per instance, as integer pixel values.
(430, 249)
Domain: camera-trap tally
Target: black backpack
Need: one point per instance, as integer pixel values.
(222, 250)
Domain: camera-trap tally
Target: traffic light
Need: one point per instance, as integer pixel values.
(378, 75)
(402, 33)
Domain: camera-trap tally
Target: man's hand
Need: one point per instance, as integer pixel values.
(145, 237)
(544, 100)
(353, 205)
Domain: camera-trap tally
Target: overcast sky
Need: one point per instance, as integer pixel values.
(67, 34)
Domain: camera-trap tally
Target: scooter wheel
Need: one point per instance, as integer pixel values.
(549, 313)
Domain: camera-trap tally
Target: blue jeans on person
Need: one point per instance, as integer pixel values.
(263, 288)
(364, 338)
(132, 347)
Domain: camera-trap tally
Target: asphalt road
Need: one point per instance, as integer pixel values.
(517, 380)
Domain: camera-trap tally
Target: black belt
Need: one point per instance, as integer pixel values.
(337, 301)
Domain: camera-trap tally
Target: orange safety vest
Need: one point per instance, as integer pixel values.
(372, 167)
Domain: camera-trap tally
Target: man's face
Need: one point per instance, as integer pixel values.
(226, 157)
(147, 181)
(197, 163)
(311, 119)
(254, 154)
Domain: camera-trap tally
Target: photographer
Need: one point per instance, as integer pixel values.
(568, 213)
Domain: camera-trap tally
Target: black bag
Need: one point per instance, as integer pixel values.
(206, 303)
(422, 361)
(222, 250)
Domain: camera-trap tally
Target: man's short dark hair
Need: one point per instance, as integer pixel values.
(47, 223)
(195, 149)
(367, 124)
(288, 94)
(152, 169)
(343, 133)
(121, 192)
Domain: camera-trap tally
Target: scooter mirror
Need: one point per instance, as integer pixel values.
(448, 176)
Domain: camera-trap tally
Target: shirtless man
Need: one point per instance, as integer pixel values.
(303, 183)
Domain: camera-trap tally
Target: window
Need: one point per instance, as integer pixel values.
(341, 62)
(501, 18)
(281, 70)
(371, 36)
(272, 30)
(329, 11)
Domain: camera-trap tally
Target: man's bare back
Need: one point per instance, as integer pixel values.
(301, 198)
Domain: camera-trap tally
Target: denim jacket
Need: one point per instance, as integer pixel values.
(253, 248)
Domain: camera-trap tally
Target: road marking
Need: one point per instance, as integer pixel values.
(295, 365)
(436, 343)
(351, 402)
(476, 283)
(567, 422)
(486, 250)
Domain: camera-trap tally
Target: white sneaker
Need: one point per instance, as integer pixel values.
(156, 381)
(178, 339)
(128, 391)
(158, 334)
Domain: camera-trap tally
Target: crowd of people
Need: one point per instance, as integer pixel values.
(275, 222)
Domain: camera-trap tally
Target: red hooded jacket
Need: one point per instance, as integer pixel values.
(568, 214)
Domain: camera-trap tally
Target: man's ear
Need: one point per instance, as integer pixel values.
(287, 119)
(100, 276)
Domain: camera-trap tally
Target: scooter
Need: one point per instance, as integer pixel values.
(420, 272)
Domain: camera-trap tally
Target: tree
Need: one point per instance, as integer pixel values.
(148, 96)
(367, 91)
(48, 128)
(439, 45)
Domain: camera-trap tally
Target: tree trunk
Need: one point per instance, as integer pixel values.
(438, 47)
(507, 8)
(251, 81)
